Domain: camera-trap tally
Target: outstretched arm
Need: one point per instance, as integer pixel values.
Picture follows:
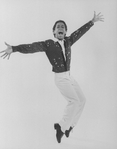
(24, 48)
(82, 30)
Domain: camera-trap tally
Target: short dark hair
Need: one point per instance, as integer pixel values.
(58, 22)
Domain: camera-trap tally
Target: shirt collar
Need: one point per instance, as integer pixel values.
(57, 40)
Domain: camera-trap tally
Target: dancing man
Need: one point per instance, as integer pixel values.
(58, 52)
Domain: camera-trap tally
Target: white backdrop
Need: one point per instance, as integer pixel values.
(30, 103)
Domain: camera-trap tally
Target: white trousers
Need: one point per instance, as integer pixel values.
(73, 94)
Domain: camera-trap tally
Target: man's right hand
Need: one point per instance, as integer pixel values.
(7, 52)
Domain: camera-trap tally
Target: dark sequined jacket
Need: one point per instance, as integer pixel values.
(53, 49)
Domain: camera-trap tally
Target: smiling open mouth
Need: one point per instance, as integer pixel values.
(60, 33)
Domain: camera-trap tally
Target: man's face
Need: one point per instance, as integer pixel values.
(60, 31)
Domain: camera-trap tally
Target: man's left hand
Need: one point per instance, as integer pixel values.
(97, 17)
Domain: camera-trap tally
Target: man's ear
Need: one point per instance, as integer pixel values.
(54, 34)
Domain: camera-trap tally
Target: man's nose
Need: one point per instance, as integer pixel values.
(60, 29)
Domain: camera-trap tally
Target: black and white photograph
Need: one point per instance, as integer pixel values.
(58, 74)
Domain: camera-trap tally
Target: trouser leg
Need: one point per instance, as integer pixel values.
(82, 100)
(68, 91)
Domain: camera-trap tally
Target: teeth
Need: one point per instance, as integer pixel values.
(60, 32)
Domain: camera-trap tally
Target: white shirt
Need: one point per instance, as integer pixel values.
(61, 42)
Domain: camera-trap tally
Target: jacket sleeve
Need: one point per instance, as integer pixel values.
(80, 32)
(30, 48)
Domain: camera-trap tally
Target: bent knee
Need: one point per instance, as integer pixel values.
(81, 102)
